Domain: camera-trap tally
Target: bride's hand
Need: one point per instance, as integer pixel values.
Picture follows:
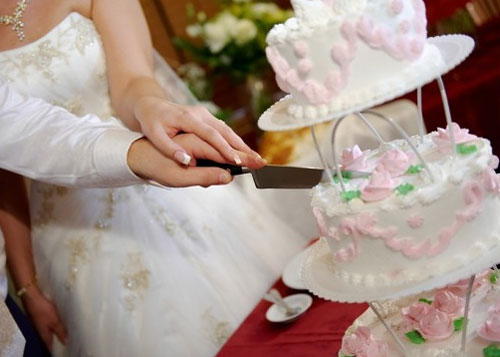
(146, 161)
(45, 318)
(161, 121)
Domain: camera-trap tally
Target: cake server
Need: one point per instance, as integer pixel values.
(274, 176)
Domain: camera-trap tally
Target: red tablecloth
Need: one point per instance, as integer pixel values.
(318, 332)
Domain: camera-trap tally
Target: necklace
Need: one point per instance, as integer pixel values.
(16, 19)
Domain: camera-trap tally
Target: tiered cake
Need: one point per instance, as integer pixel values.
(413, 215)
(339, 56)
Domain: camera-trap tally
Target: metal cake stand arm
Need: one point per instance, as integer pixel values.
(388, 328)
(466, 314)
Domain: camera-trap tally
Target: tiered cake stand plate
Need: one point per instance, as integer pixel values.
(454, 49)
(318, 275)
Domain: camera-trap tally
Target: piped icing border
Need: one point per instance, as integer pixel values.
(402, 46)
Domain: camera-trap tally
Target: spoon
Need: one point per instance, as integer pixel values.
(275, 297)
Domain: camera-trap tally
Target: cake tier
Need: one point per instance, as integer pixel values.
(334, 53)
(428, 325)
(404, 224)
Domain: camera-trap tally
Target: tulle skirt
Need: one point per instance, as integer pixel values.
(145, 271)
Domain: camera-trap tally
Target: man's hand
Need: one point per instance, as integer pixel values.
(148, 162)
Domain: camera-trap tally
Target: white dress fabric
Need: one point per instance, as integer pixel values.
(140, 271)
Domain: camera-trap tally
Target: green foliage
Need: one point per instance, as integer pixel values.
(493, 278)
(415, 337)
(458, 324)
(426, 301)
(415, 169)
(350, 195)
(491, 351)
(464, 149)
(405, 189)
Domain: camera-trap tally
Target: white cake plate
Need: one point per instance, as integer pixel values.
(319, 278)
(453, 48)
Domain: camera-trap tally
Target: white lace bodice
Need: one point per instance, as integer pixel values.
(37, 67)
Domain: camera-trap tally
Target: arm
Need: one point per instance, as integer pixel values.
(137, 97)
(15, 225)
(41, 141)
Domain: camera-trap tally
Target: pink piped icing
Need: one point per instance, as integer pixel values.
(398, 44)
(413, 314)
(397, 6)
(415, 221)
(491, 181)
(301, 49)
(460, 287)
(354, 159)
(443, 140)
(435, 325)
(305, 66)
(449, 303)
(362, 344)
(494, 162)
(395, 162)
(380, 186)
(490, 329)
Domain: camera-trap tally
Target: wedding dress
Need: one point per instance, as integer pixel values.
(140, 271)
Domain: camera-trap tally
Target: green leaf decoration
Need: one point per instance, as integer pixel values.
(350, 195)
(458, 324)
(343, 355)
(415, 337)
(464, 149)
(491, 351)
(405, 189)
(346, 175)
(429, 302)
(493, 278)
(415, 169)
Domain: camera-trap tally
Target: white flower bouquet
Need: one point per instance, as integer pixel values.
(232, 42)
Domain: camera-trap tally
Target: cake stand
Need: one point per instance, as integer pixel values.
(317, 271)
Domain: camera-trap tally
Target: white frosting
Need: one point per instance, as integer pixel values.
(435, 205)
(374, 70)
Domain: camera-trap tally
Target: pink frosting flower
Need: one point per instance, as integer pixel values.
(413, 314)
(490, 329)
(353, 159)
(380, 186)
(494, 309)
(415, 221)
(491, 180)
(436, 325)
(449, 303)
(362, 344)
(460, 287)
(443, 140)
(494, 162)
(395, 161)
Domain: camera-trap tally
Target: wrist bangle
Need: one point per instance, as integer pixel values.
(21, 292)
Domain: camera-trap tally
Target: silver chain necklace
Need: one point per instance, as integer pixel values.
(16, 19)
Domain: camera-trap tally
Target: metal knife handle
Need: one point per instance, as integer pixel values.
(233, 169)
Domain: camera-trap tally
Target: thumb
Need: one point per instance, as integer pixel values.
(203, 176)
(168, 147)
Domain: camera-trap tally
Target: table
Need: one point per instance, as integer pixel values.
(318, 332)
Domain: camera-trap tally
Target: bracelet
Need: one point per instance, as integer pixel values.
(25, 288)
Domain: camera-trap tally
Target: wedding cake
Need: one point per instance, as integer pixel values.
(430, 325)
(339, 56)
(404, 219)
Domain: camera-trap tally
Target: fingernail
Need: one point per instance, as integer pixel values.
(182, 157)
(225, 178)
(237, 160)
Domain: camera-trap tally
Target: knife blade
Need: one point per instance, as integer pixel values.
(273, 176)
